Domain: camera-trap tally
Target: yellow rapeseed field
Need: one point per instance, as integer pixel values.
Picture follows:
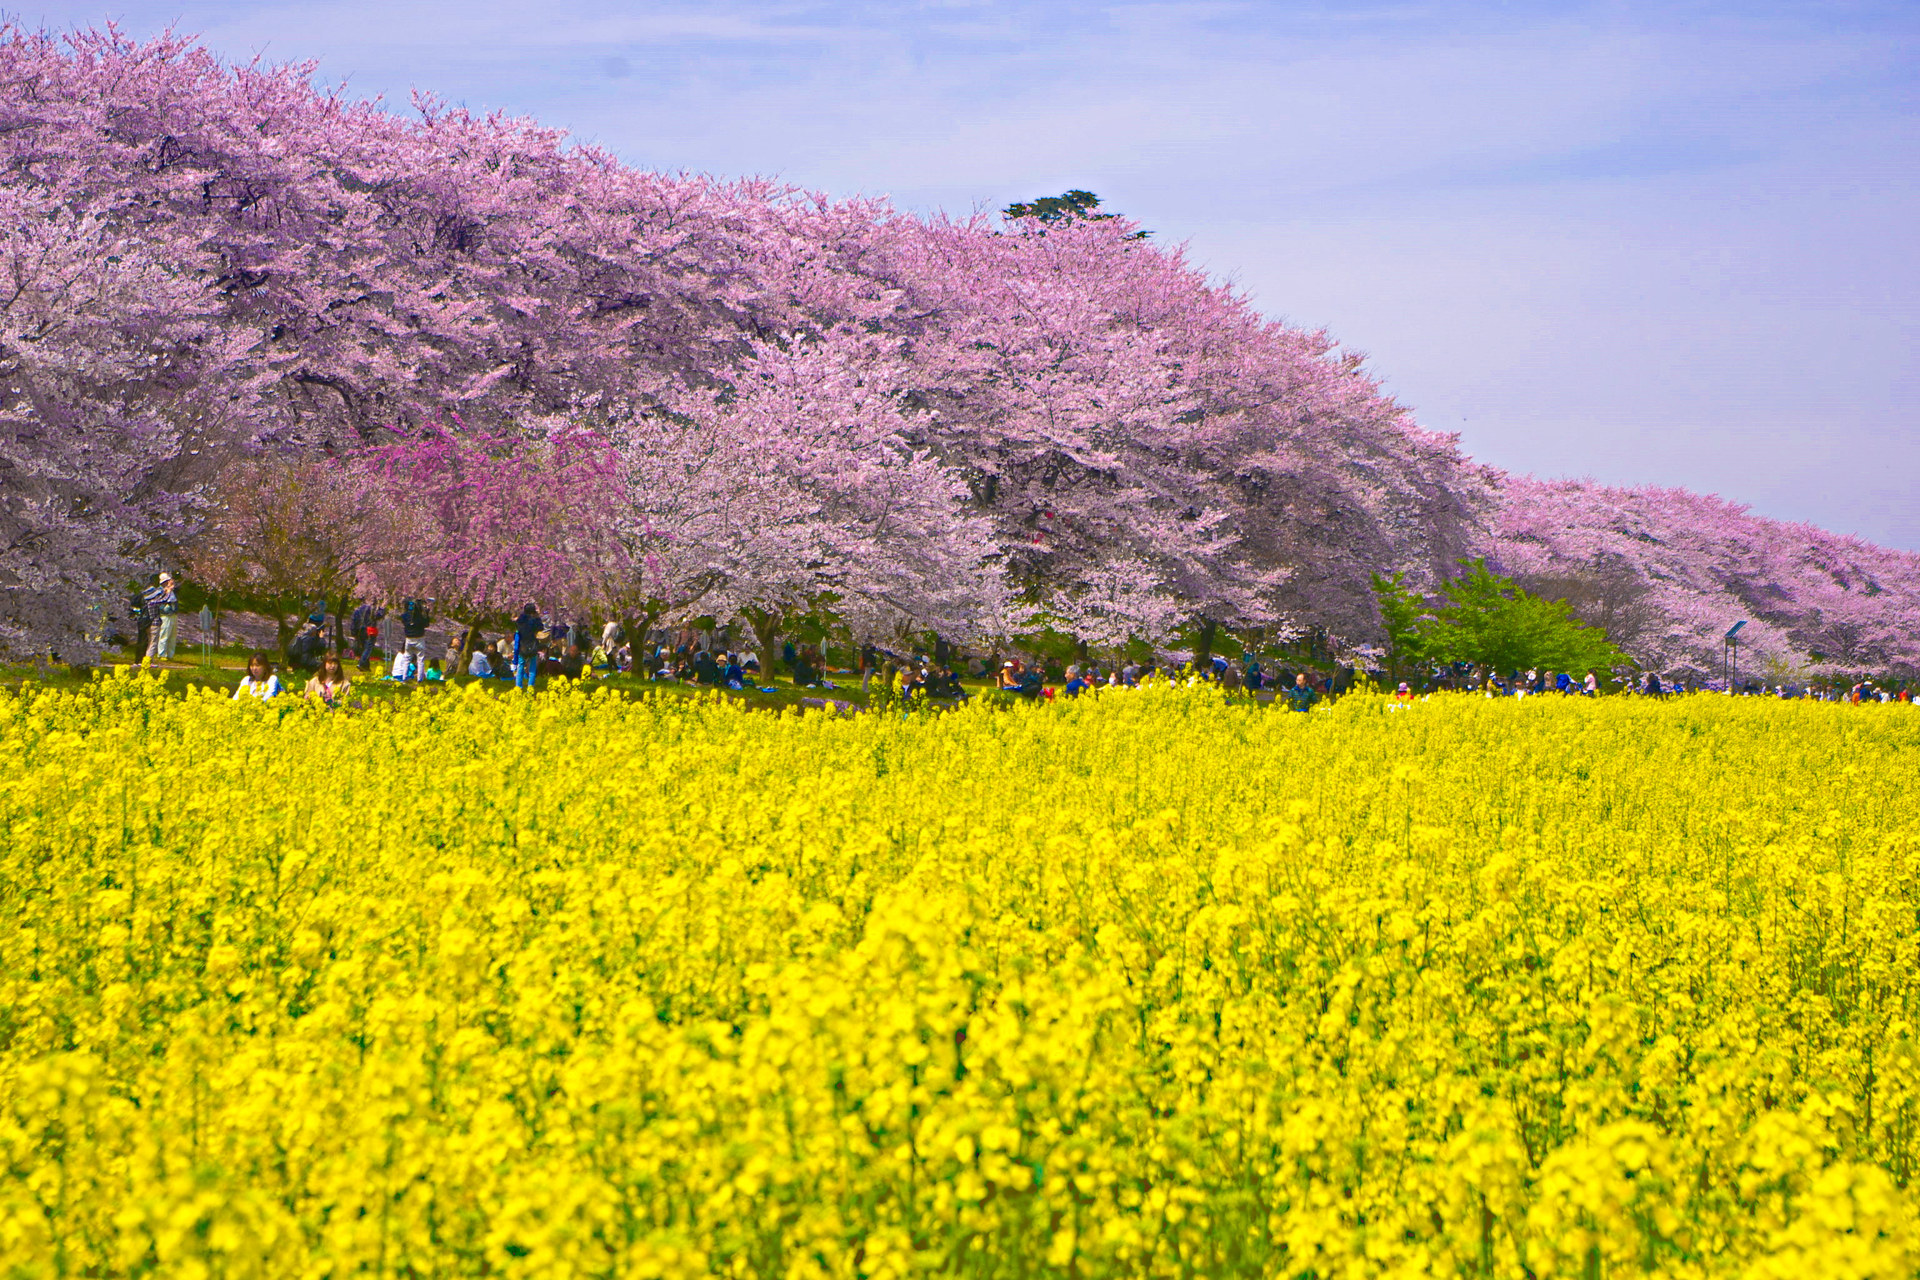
(1153, 984)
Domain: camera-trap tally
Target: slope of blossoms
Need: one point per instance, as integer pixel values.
(1152, 984)
(1694, 565)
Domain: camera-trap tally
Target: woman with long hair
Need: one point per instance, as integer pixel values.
(330, 684)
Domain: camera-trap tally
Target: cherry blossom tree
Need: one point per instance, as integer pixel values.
(485, 522)
(831, 508)
(790, 491)
(110, 368)
(1116, 413)
(1704, 563)
(276, 532)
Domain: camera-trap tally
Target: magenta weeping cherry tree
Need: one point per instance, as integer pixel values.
(486, 522)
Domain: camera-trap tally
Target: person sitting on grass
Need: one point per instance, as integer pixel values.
(944, 682)
(1075, 685)
(403, 666)
(259, 682)
(573, 663)
(305, 649)
(479, 664)
(330, 684)
(804, 676)
(433, 671)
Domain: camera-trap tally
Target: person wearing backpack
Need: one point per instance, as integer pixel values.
(305, 649)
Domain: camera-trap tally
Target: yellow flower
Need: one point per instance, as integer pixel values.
(1168, 986)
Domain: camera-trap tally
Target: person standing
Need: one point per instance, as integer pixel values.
(162, 605)
(366, 631)
(1302, 696)
(526, 646)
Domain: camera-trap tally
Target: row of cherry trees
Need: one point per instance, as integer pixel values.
(666, 396)
(1668, 572)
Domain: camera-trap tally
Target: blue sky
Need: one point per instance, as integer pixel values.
(1650, 243)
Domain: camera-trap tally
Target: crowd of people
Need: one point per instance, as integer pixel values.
(534, 647)
(1650, 684)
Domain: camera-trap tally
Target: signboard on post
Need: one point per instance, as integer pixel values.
(206, 636)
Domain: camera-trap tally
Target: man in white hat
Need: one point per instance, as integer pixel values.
(163, 605)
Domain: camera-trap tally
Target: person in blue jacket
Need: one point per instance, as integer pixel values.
(526, 646)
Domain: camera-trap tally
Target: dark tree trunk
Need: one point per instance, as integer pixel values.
(767, 628)
(1204, 652)
(637, 629)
